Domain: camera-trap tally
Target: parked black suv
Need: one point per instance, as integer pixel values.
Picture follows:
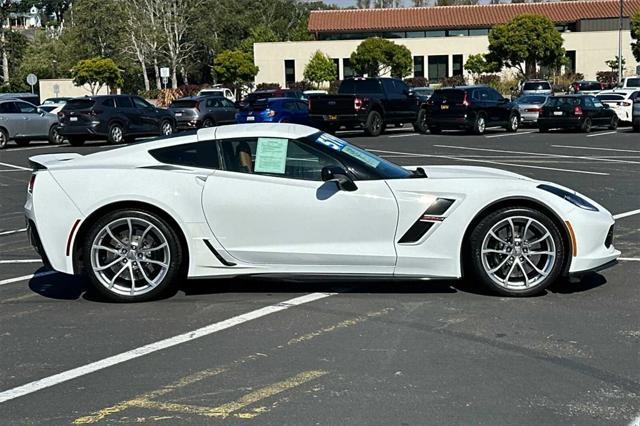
(118, 118)
(370, 103)
(470, 108)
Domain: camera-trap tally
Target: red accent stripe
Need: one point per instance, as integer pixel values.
(71, 234)
(427, 218)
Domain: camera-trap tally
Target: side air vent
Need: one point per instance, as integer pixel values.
(218, 255)
(430, 217)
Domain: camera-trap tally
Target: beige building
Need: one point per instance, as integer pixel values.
(442, 38)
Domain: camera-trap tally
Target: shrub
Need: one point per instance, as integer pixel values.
(417, 82)
(489, 79)
(456, 80)
(301, 85)
(268, 86)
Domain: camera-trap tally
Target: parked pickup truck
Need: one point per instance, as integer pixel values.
(370, 103)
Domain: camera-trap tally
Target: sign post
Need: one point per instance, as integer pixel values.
(164, 73)
(32, 79)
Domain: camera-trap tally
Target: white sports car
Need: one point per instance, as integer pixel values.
(289, 199)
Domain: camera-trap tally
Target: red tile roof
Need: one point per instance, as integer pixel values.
(478, 16)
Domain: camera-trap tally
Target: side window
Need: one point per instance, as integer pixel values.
(227, 103)
(589, 102)
(141, 103)
(389, 87)
(401, 87)
(303, 106)
(290, 106)
(108, 102)
(123, 102)
(9, 108)
(276, 157)
(26, 108)
(483, 94)
(494, 95)
(198, 154)
(213, 103)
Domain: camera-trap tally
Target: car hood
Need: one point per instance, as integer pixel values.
(468, 172)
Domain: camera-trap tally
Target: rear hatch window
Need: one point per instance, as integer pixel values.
(537, 86)
(532, 100)
(79, 104)
(560, 102)
(260, 105)
(184, 103)
(452, 96)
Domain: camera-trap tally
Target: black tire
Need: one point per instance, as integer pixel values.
(514, 123)
(167, 128)
(116, 134)
(22, 142)
(420, 125)
(374, 124)
(519, 216)
(208, 122)
(586, 125)
(76, 140)
(613, 124)
(636, 125)
(4, 138)
(118, 292)
(479, 124)
(55, 138)
(435, 130)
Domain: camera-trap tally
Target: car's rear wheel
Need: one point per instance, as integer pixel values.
(4, 138)
(586, 125)
(55, 138)
(132, 256)
(480, 124)
(374, 124)
(613, 124)
(116, 134)
(207, 122)
(22, 142)
(166, 128)
(421, 122)
(516, 251)
(76, 141)
(514, 123)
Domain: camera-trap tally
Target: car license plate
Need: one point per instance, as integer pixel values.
(444, 106)
(251, 118)
(178, 114)
(557, 112)
(332, 117)
(73, 118)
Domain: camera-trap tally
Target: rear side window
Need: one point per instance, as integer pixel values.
(198, 154)
(538, 85)
(26, 108)
(8, 108)
(123, 102)
(108, 103)
(185, 103)
(77, 104)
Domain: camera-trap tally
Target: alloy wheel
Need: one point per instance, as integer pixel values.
(481, 125)
(130, 256)
(116, 134)
(167, 128)
(518, 253)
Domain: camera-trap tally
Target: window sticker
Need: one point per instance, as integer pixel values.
(331, 141)
(271, 155)
(361, 155)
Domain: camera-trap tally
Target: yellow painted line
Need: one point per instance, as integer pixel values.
(185, 381)
(226, 410)
(343, 324)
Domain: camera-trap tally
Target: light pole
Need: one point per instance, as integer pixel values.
(620, 42)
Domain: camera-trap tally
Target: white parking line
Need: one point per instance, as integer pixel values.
(189, 336)
(608, 160)
(14, 166)
(503, 135)
(411, 154)
(594, 148)
(626, 214)
(10, 261)
(26, 277)
(15, 231)
(403, 135)
(601, 134)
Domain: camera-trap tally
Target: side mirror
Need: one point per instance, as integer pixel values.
(339, 176)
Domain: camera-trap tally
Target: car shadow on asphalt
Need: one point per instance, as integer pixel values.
(68, 287)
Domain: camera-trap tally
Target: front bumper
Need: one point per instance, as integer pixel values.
(593, 240)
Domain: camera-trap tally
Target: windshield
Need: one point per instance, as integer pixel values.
(384, 168)
(538, 100)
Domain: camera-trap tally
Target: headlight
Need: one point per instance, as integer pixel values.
(574, 199)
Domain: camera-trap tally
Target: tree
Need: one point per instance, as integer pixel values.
(478, 65)
(96, 72)
(614, 64)
(529, 40)
(376, 56)
(635, 35)
(320, 69)
(234, 67)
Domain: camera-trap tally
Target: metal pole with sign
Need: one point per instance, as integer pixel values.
(164, 73)
(32, 79)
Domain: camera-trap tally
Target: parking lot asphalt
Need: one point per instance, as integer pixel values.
(275, 351)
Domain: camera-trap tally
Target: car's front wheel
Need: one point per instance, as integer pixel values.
(421, 122)
(116, 134)
(166, 128)
(613, 124)
(514, 123)
(55, 138)
(516, 251)
(480, 124)
(132, 256)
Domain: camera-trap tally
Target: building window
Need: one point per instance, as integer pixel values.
(346, 68)
(457, 65)
(456, 33)
(418, 66)
(438, 68)
(336, 64)
(571, 56)
(478, 31)
(289, 71)
(435, 33)
(415, 34)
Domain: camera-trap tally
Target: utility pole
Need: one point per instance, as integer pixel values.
(620, 42)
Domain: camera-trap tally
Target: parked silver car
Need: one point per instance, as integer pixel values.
(530, 107)
(203, 111)
(23, 122)
(536, 87)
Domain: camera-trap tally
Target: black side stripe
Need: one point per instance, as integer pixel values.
(427, 220)
(218, 255)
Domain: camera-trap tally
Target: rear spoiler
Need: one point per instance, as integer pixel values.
(39, 162)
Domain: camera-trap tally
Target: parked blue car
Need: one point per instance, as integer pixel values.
(275, 110)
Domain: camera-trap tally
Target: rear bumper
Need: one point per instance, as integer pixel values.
(90, 130)
(188, 124)
(36, 243)
(529, 117)
(450, 123)
(560, 122)
(338, 119)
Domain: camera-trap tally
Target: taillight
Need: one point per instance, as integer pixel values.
(577, 110)
(32, 182)
(357, 104)
(465, 101)
(533, 109)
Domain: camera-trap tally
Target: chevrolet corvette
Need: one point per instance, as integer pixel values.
(286, 199)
